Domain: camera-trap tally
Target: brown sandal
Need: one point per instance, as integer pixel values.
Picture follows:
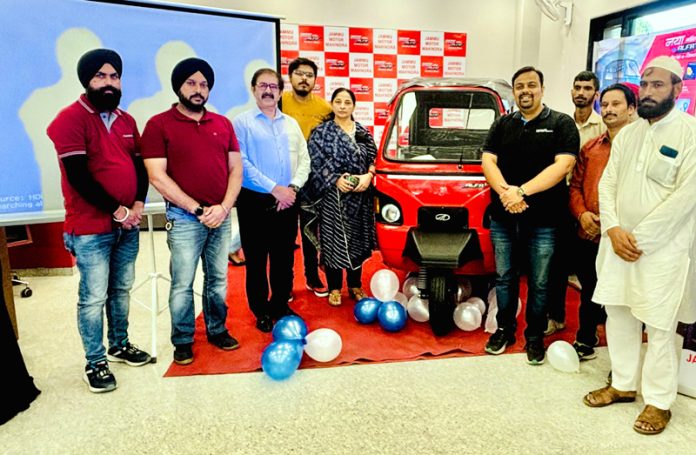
(335, 297)
(357, 293)
(655, 417)
(606, 396)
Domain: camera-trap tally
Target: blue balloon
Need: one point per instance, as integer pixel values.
(365, 310)
(392, 316)
(290, 328)
(280, 359)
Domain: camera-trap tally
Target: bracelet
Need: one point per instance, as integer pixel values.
(227, 211)
(125, 217)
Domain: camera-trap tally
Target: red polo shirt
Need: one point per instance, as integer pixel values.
(79, 130)
(196, 151)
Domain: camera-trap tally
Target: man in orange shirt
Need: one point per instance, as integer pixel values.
(618, 103)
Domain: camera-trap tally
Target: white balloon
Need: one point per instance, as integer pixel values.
(384, 285)
(410, 287)
(467, 317)
(478, 302)
(323, 345)
(463, 289)
(562, 356)
(418, 309)
(399, 297)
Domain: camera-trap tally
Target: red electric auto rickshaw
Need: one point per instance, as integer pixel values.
(432, 198)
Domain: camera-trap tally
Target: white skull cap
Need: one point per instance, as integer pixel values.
(666, 63)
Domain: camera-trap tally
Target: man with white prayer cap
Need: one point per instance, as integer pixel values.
(646, 265)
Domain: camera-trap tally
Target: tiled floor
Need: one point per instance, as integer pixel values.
(476, 405)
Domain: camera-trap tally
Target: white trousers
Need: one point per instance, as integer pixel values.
(659, 372)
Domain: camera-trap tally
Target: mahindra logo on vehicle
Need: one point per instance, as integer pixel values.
(442, 217)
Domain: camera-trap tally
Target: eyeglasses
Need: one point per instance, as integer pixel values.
(307, 74)
(263, 86)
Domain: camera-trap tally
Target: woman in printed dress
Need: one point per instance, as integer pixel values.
(342, 152)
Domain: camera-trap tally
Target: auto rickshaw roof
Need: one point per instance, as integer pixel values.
(501, 87)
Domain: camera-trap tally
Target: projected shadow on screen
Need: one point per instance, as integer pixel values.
(166, 59)
(44, 103)
(249, 71)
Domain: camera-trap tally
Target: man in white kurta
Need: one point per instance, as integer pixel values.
(645, 266)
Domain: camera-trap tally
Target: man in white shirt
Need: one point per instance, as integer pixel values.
(585, 92)
(276, 165)
(645, 265)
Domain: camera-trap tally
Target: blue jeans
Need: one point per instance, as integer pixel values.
(106, 263)
(189, 240)
(515, 246)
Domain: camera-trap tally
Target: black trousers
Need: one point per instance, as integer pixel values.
(268, 239)
(334, 278)
(309, 251)
(590, 314)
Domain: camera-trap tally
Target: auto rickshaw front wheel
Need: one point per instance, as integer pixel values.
(442, 289)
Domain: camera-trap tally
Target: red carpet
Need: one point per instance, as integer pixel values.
(361, 343)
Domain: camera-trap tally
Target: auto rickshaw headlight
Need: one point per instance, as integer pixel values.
(390, 213)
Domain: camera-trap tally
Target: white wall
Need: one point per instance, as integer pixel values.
(503, 35)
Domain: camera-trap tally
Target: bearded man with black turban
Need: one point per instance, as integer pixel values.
(104, 185)
(192, 158)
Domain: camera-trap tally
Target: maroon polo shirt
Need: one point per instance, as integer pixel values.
(79, 130)
(196, 151)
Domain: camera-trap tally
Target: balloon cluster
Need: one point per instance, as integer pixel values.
(388, 306)
(282, 357)
(467, 315)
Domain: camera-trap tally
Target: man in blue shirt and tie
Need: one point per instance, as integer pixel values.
(276, 165)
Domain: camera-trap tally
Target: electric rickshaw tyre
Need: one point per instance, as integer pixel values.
(441, 304)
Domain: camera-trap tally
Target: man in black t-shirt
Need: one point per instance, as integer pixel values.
(526, 157)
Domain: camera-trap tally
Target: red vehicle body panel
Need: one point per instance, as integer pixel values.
(432, 184)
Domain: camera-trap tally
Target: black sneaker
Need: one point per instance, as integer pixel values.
(264, 324)
(584, 351)
(99, 378)
(536, 353)
(498, 342)
(183, 353)
(128, 354)
(224, 341)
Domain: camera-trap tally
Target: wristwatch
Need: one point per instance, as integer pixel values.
(198, 211)
(520, 192)
(294, 187)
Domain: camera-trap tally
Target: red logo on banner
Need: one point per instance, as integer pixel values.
(431, 66)
(435, 117)
(362, 87)
(408, 42)
(311, 38)
(381, 113)
(318, 86)
(336, 64)
(455, 44)
(360, 39)
(285, 58)
(385, 65)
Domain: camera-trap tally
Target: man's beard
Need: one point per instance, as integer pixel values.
(188, 104)
(654, 110)
(581, 103)
(102, 101)
(302, 92)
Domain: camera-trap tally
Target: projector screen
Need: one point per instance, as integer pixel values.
(42, 40)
